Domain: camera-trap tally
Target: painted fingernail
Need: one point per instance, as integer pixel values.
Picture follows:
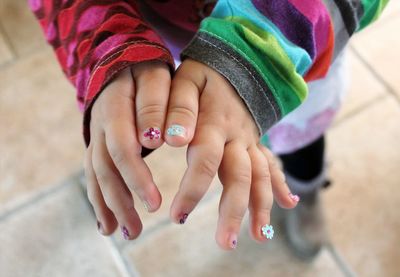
(233, 241)
(294, 197)
(125, 233)
(146, 205)
(268, 231)
(99, 227)
(176, 131)
(152, 133)
(183, 218)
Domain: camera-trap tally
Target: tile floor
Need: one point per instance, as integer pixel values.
(48, 229)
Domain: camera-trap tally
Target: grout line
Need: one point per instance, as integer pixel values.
(126, 268)
(15, 208)
(361, 109)
(378, 76)
(123, 266)
(26, 55)
(340, 261)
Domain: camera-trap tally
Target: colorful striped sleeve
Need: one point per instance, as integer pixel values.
(269, 50)
(96, 39)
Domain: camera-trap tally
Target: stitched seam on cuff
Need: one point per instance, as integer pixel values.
(247, 57)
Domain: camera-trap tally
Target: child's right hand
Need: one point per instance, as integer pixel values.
(127, 115)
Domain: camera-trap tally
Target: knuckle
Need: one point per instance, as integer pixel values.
(263, 172)
(273, 164)
(235, 217)
(181, 111)
(151, 109)
(118, 155)
(193, 196)
(243, 177)
(208, 166)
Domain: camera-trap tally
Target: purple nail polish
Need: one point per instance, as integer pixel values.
(125, 232)
(233, 241)
(183, 218)
(99, 227)
(152, 133)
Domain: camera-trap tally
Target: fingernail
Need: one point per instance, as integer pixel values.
(152, 133)
(125, 233)
(183, 219)
(99, 227)
(176, 131)
(146, 205)
(268, 231)
(233, 241)
(294, 197)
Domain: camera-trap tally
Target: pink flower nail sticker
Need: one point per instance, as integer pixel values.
(294, 197)
(152, 133)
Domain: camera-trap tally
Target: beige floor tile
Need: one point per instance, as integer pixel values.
(379, 46)
(190, 250)
(5, 52)
(40, 127)
(54, 237)
(362, 206)
(363, 87)
(21, 26)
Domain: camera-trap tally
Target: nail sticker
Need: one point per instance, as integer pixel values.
(268, 231)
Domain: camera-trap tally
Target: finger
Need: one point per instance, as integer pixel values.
(235, 175)
(123, 147)
(116, 196)
(261, 198)
(280, 189)
(183, 107)
(204, 156)
(152, 82)
(106, 222)
(125, 153)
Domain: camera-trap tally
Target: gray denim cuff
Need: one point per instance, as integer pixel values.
(247, 81)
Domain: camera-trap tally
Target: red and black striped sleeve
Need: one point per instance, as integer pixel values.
(94, 40)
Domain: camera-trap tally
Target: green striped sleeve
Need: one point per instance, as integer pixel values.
(372, 10)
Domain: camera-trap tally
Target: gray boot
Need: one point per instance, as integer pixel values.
(304, 224)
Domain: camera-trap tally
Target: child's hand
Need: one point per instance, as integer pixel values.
(226, 140)
(121, 119)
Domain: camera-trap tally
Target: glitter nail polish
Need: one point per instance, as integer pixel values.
(176, 130)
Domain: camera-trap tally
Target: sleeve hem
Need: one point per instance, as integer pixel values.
(248, 83)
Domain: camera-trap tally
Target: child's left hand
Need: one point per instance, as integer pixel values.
(223, 137)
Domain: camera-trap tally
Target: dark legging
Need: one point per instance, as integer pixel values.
(306, 163)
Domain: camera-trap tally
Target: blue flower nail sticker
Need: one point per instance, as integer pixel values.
(268, 231)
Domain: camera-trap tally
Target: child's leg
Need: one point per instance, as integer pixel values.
(305, 175)
(305, 167)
